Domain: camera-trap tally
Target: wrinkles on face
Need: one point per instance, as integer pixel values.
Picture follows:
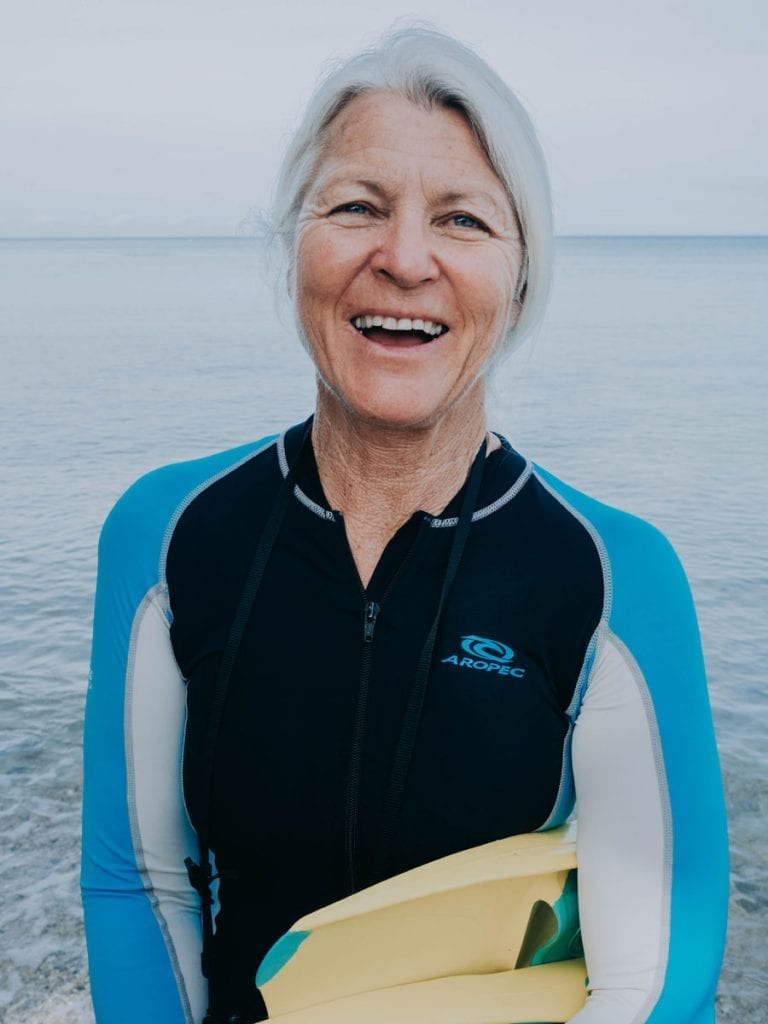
(404, 219)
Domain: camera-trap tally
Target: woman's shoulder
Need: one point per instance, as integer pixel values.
(147, 511)
(614, 526)
(557, 501)
(637, 557)
(648, 599)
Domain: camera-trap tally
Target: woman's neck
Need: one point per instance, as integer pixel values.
(379, 476)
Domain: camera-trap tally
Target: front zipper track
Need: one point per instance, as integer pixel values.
(371, 611)
(353, 787)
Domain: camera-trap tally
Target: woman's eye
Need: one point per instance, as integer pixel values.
(465, 220)
(357, 208)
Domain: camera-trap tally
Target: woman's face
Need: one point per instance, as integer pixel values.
(407, 260)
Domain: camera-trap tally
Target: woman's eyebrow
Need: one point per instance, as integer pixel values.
(369, 185)
(372, 186)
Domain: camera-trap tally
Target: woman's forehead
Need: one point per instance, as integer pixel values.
(380, 114)
(379, 139)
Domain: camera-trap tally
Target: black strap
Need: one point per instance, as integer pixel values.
(201, 874)
(407, 741)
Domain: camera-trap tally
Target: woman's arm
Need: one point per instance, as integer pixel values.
(141, 915)
(652, 846)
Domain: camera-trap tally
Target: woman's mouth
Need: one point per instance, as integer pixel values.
(398, 331)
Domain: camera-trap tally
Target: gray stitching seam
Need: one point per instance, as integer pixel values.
(150, 598)
(189, 498)
(181, 760)
(500, 502)
(565, 775)
(597, 540)
(481, 513)
(590, 659)
(661, 776)
(282, 458)
(602, 626)
(653, 996)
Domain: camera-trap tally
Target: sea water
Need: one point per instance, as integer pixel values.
(646, 387)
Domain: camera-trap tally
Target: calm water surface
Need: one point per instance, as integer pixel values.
(646, 388)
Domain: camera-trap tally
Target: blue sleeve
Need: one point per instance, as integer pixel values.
(141, 915)
(653, 856)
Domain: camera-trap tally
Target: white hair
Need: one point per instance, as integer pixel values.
(431, 69)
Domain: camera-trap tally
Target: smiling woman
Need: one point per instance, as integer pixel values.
(405, 221)
(483, 649)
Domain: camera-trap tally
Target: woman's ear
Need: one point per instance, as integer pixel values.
(522, 281)
(519, 297)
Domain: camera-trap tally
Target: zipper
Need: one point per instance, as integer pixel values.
(371, 611)
(370, 615)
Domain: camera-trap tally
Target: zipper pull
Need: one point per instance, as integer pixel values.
(371, 612)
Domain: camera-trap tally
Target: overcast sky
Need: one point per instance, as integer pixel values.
(132, 117)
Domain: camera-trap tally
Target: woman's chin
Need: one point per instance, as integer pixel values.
(396, 407)
(397, 419)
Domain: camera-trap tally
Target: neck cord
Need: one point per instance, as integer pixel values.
(201, 874)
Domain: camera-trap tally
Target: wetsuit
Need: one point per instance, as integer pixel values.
(567, 664)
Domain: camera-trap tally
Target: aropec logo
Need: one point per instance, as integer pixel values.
(493, 650)
(485, 656)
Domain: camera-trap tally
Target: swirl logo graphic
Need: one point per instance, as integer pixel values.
(489, 650)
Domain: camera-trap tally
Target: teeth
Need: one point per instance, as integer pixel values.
(391, 323)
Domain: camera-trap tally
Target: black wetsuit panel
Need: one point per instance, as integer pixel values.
(489, 758)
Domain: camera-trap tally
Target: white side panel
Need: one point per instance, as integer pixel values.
(162, 835)
(623, 842)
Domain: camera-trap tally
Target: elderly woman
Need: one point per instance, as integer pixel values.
(385, 636)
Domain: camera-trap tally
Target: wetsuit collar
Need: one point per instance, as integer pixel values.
(504, 475)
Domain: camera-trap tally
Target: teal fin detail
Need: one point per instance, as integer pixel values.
(565, 944)
(279, 955)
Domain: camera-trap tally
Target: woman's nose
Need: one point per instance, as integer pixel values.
(406, 252)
